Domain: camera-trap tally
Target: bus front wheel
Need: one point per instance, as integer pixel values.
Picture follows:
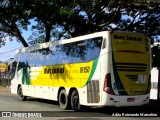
(75, 101)
(20, 94)
(63, 99)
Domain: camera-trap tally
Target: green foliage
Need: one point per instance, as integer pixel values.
(59, 19)
(13, 19)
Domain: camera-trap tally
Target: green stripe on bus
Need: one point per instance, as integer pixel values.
(25, 76)
(94, 66)
(117, 77)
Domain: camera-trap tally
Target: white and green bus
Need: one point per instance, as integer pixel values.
(109, 68)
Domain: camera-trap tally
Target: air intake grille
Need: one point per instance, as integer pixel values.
(131, 67)
(93, 92)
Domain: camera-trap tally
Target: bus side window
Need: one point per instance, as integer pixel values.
(41, 57)
(79, 51)
(93, 48)
(23, 60)
(31, 58)
(52, 56)
(65, 54)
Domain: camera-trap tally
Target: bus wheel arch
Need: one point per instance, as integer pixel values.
(20, 93)
(75, 101)
(63, 98)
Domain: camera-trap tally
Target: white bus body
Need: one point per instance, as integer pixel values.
(101, 69)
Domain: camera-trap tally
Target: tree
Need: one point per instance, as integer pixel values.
(59, 19)
(12, 20)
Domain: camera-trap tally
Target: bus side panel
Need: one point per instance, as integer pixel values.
(105, 68)
(106, 62)
(91, 91)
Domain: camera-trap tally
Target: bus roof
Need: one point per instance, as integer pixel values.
(70, 40)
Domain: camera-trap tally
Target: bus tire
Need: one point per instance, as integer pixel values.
(75, 101)
(20, 94)
(63, 99)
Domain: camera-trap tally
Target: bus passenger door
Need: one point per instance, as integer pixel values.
(13, 75)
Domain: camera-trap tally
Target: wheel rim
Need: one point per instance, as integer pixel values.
(20, 93)
(63, 99)
(75, 100)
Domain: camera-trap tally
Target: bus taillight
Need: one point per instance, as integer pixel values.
(107, 87)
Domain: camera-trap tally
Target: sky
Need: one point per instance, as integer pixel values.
(9, 50)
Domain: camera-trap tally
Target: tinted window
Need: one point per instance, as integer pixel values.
(81, 51)
(23, 58)
(31, 58)
(52, 56)
(40, 57)
(93, 48)
(65, 54)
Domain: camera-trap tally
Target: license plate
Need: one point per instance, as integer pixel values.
(130, 99)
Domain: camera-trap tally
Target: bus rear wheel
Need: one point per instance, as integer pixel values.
(20, 94)
(63, 99)
(75, 101)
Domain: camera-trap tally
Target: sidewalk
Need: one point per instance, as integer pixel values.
(5, 89)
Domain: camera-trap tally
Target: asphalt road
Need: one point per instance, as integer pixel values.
(10, 105)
